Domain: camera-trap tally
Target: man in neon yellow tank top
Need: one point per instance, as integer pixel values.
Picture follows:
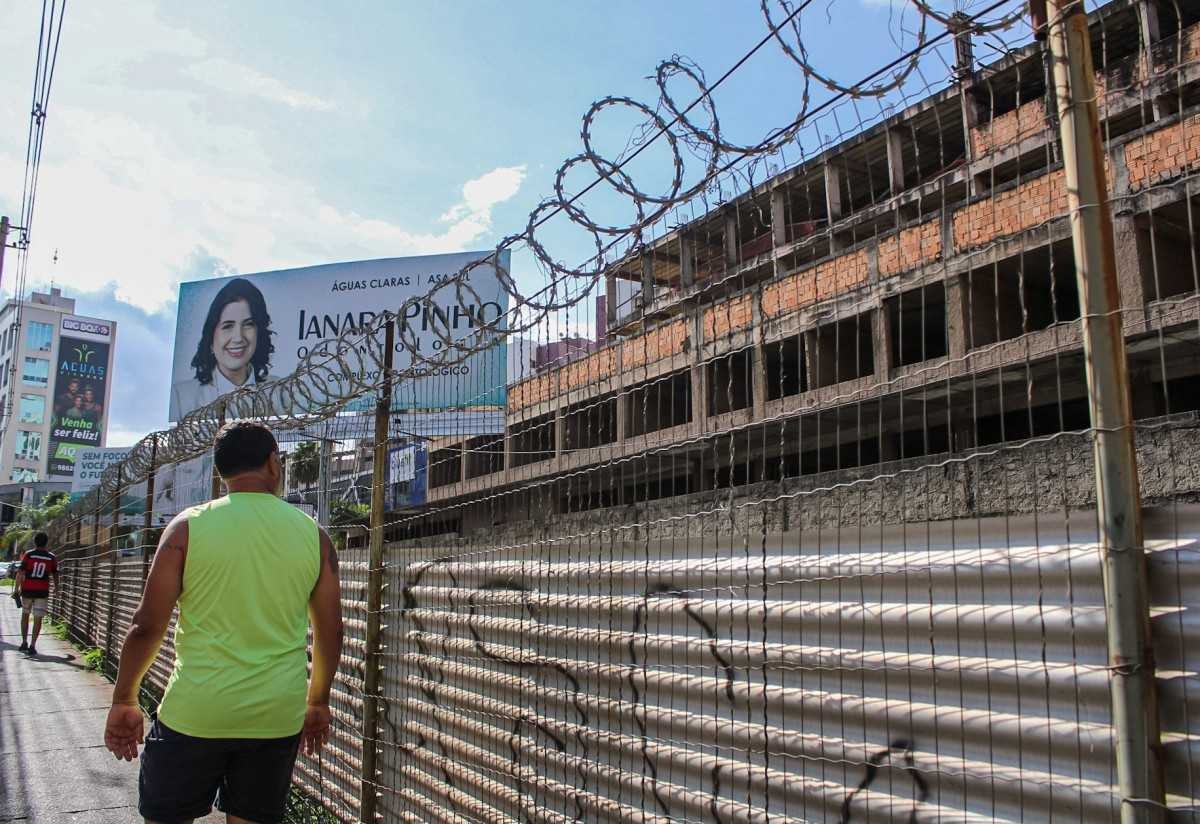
(249, 573)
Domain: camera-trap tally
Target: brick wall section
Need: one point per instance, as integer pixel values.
(588, 370)
(1009, 128)
(1163, 154)
(530, 391)
(654, 345)
(733, 314)
(1011, 211)
(910, 248)
(818, 283)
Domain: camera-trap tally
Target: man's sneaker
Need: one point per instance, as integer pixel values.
(32, 649)
(23, 648)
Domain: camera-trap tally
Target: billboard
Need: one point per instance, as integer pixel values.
(248, 329)
(90, 465)
(80, 391)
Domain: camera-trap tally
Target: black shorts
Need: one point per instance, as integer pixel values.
(182, 775)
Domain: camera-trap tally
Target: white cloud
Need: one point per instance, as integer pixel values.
(150, 178)
(483, 193)
(235, 78)
(128, 203)
(145, 166)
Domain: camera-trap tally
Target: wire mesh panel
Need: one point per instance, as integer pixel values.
(334, 775)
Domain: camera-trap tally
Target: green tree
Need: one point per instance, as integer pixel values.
(32, 520)
(344, 513)
(304, 465)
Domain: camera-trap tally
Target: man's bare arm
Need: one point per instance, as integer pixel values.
(153, 614)
(325, 613)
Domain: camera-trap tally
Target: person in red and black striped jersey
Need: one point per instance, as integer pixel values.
(38, 569)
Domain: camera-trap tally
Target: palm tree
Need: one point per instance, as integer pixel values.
(305, 464)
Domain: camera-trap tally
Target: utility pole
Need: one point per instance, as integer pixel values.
(1118, 498)
(3, 244)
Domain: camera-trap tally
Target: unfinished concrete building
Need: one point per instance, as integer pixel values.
(910, 291)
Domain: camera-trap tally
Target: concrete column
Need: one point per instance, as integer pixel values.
(560, 433)
(895, 160)
(969, 108)
(833, 191)
(758, 367)
(698, 376)
(956, 317)
(687, 261)
(463, 461)
(1135, 259)
(622, 400)
(732, 252)
(779, 217)
(881, 342)
(1148, 23)
(647, 278)
(833, 201)
(812, 363)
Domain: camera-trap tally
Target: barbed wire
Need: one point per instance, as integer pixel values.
(352, 365)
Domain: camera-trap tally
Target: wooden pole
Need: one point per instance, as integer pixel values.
(368, 796)
(1118, 497)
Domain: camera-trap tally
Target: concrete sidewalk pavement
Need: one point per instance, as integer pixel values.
(53, 764)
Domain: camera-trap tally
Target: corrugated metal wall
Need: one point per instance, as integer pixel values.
(955, 671)
(794, 679)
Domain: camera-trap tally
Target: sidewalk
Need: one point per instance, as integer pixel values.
(53, 765)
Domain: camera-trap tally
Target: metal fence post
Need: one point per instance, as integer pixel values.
(95, 553)
(148, 515)
(114, 555)
(1118, 500)
(383, 408)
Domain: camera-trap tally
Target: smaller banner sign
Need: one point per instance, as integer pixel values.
(80, 391)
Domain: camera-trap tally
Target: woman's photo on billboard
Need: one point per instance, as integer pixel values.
(234, 349)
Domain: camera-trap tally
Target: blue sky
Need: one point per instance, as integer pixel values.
(188, 140)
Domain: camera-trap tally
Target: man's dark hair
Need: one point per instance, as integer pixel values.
(242, 446)
(204, 362)
(41, 539)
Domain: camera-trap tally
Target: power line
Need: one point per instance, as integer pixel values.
(49, 36)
